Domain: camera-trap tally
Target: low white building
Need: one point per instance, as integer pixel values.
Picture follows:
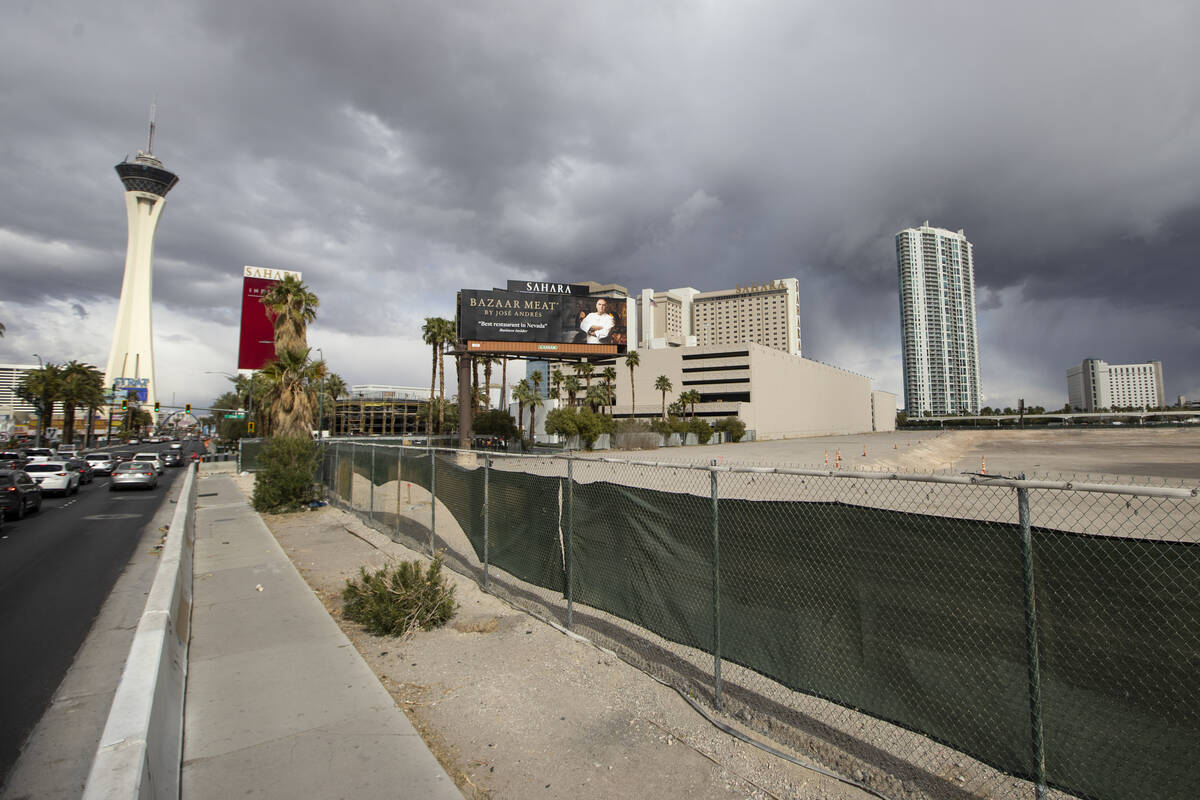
(778, 395)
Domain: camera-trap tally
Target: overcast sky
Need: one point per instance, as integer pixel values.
(394, 152)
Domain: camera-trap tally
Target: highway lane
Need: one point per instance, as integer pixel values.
(57, 567)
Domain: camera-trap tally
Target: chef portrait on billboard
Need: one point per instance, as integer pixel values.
(598, 324)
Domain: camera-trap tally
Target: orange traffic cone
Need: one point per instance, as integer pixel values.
(827, 457)
(983, 465)
(864, 451)
(894, 447)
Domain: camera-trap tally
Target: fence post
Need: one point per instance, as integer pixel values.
(337, 472)
(371, 510)
(716, 587)
(1031, 646)
(432, 501)
(570, 535)
(487, 463)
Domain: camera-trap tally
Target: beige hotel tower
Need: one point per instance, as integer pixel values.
(131, 358)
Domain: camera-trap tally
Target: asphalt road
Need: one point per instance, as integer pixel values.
(57, 567)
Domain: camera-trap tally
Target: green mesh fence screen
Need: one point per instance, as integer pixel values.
(1120, 659)
(460, 490)
(523, 519)
(645, 556)
(914, 619)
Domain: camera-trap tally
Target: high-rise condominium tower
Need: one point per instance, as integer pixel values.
(937, 321)
(131, 358)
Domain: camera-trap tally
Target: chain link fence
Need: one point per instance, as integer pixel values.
(932, 636)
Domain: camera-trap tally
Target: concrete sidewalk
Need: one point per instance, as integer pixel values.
(279, 703)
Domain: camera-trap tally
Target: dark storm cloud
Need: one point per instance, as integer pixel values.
(394, 152)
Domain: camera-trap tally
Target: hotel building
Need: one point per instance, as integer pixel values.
(766, 314)
(1096, 384)
(939, 339)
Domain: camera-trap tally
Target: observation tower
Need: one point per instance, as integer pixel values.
(131, 359)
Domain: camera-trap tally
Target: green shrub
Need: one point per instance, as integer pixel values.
(701, 428)
(733, 427)
(396, 602)
(496, 422)
(581, 422)
(285, 480)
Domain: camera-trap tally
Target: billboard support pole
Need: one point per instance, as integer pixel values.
(466, 399)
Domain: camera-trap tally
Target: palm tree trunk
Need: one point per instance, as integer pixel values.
(474, 384)
(632, 396)
(504, 383)
(487, 384)
(432, 383)
(441, 390)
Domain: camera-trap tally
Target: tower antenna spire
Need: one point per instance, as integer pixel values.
(153, 110)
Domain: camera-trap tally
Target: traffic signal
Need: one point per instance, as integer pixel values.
(187, 408)
(250, 427)
(125, 404)
(157, 406)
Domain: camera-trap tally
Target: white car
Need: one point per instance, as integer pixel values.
(158, 465)
(102, 463)
(54, 476)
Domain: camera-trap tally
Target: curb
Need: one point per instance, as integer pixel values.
(140, 751)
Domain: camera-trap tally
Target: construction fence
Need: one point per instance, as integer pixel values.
(939, 636)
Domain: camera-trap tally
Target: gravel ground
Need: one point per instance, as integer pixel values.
(516, 708)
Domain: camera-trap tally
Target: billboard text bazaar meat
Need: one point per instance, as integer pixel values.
(492, 320)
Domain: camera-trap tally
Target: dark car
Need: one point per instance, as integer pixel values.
(11, 459)
(19, 493)
(87, 473)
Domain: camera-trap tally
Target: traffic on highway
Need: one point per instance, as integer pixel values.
(66, 534)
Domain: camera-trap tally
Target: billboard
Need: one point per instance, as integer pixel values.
(256, 345)
(133, 389)
(492, 320)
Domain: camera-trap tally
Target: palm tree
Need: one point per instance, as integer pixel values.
(535, 380)
(41, 388)
(290, 378)
(293, 308)
(584, 370)
(504, 381)
(691, 397)
(535, 401)
(431, 335)
(1, 330)
(663, 384)
(79, 383)
(335, 387)
(595, 396)
(610, 377)
(571, 386)
(522, 393)
(632, 359)
(488, 363)
(556, 381)
(448, 334)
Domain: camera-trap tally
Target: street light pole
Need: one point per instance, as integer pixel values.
(42, 405)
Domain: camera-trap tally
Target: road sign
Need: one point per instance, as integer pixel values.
(236, 415)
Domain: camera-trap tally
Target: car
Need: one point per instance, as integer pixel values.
(158, 465)
(132, 441)
(54, 476)
(11, 459)
(84, 468)
(19, 493)
(68, 450)
(172, 458)
(102, 463)
(134, 474)
(176, 446)
(38, 454)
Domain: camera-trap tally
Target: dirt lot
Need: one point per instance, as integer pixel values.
(516, 708)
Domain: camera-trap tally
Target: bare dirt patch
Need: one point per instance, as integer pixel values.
(515, 708)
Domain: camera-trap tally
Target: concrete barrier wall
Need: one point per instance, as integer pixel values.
(139, 754)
